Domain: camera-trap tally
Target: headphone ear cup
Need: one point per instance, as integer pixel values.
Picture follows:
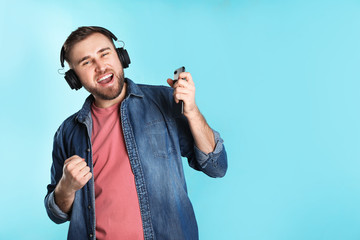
(72, 80)
(124, 57)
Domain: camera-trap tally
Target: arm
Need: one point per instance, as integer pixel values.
(76, 174)
(208, 154)
(59, 199)
(202, 133)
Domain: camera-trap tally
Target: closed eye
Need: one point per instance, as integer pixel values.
(86, 63)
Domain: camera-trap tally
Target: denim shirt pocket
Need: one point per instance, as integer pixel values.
(160, 141)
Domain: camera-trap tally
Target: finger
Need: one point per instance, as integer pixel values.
(184, 90)
(71, 158)
(182, 83)
(84, 179)
(87, 177)
(84, 171)
(170, 82)
(80, 165)
(175, 99)
(182, 96)
(180, 93)
(178, 97)
(77, 169)
(187, 76)
(72, 165)
(74, 162)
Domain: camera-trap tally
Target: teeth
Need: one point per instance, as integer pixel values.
(105, 77)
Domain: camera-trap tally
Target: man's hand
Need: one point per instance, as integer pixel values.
(76, 174)
(185, 90)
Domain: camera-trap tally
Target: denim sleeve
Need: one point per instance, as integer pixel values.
(58, 154)
(213, 164)
(54, 211)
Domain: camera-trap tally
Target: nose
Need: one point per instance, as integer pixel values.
(100, 66)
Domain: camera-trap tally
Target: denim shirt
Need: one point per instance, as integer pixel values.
(156, 136)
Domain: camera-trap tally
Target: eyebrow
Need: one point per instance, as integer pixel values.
(100, 51)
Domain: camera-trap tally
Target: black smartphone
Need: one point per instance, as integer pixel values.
(177, 73)
(176, 77)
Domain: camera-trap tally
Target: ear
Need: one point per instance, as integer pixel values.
(70, 65)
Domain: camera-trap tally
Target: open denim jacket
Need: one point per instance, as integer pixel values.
(157, 135)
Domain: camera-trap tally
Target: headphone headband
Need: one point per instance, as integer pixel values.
(62, 56)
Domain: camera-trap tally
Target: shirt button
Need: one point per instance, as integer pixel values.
(89, 207)
(90, 235)
(88, 149)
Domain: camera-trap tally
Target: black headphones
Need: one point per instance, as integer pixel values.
(70, 75)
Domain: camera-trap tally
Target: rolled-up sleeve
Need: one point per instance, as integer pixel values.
(54, 211)
(213, 164)
(58, 154)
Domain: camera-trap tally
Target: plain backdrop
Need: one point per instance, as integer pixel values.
(278, 79)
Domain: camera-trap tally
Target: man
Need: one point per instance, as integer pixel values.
(117, 170)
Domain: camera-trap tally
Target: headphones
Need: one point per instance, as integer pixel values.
(71, 77)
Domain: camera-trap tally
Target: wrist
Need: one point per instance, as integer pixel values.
(63, 191)
(193, 115)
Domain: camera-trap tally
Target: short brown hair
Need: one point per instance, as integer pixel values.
(78, 35)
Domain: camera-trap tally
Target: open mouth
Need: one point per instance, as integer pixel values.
(106, 79)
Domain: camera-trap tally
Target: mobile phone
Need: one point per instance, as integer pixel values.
(177, 73)
(176, 77)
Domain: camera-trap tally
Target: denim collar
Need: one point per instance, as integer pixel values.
(132, 90)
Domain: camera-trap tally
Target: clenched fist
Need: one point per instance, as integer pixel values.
(76, 174)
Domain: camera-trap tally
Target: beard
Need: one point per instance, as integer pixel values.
(110, 93)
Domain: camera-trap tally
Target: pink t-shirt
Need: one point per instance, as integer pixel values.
(116, 202)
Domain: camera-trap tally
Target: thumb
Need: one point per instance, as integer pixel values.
(170, 82)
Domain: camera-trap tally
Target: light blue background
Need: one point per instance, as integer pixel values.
(278, 79)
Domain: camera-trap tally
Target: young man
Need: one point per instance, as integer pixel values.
(117, 170)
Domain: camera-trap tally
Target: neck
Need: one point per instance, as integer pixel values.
(101, 103)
